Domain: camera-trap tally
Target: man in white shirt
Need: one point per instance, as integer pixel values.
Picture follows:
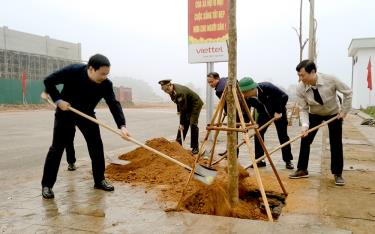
(318, 101)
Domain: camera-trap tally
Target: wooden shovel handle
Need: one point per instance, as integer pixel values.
(116, 131)
(296, 138)
(301, 135)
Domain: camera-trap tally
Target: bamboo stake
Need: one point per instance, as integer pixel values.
(227, 129)
(215, 137)
(220, 106)
(257, 174)
(243, 142)
(262, 143)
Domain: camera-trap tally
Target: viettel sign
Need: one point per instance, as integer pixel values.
(208, 31)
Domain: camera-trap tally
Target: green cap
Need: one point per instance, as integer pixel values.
(247, 83)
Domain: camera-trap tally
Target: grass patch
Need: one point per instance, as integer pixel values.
(370, 111)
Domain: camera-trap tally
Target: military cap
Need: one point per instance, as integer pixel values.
(165, 82)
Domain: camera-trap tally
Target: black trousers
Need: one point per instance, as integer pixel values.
(63, 134)
(70, 152)
(335, 140)
(190, 120)
(282, 133)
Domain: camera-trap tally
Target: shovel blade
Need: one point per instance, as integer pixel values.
(205, 171)
(204, 174)
(118, 162)
(204, 179)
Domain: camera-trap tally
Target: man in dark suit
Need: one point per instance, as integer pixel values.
(83, 87)
(71, 156)
(189, 106)
(269, 101)
(214, 81)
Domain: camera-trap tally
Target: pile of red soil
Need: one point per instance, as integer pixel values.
(148, 169)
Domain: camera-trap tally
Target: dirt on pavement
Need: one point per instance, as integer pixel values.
(148, 169)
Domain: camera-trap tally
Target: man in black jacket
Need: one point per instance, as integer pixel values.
(219, 84)
(83, 87)
(269, 101)
(69, 151)
(71, 156)
(214, 81)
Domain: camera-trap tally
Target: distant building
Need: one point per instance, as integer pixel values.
(31, 58)
(362, 50)
(123, 94)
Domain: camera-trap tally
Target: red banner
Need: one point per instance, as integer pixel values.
(23, 84)
(208, 19)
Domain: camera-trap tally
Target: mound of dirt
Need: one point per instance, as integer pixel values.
(150, 170)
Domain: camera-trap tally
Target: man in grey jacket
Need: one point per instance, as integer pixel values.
(318, 101)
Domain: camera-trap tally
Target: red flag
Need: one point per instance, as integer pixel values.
(369, 75)
(23, 83)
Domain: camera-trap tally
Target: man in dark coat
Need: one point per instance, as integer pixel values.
(83, 87)
(214, 81)
(189, 106)
(269, 101)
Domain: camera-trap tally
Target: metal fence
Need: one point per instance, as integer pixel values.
(35, 67)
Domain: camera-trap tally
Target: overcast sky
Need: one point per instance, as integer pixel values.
(147, 39)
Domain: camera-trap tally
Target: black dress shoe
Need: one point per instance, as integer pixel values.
(260, 164)
(104, 185)
(289, 165)
(47, 193)
(195, 150)
(72, 167)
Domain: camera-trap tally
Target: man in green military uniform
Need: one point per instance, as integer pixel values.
(189, 106)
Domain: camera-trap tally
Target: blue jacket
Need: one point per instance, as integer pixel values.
(219, 89)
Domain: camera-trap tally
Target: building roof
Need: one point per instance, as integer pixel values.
(359, 43)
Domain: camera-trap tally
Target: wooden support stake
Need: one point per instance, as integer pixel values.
(257, 174)
(243, 102)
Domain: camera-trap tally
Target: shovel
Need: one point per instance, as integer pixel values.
(111, 160)
(203, 174)
(116, 161)
(294, 139)
(243, 142)
(182, 137)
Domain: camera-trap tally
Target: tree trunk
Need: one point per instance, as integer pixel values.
(231, 142)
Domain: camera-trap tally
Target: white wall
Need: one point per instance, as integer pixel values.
(361, 94)
(34, 44)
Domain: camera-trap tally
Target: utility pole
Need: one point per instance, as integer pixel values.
(312, 31)
(209, 98)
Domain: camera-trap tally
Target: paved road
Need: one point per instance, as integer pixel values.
(26, 135)
(77, 208)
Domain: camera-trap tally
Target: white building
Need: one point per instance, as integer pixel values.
(362, 50)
